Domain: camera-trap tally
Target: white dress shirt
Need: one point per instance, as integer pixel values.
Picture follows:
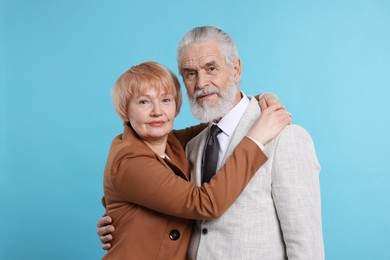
(228, 125)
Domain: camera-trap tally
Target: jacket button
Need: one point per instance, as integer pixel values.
(205, 231)
(174, 234)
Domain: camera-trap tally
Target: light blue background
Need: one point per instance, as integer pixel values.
(328, 61)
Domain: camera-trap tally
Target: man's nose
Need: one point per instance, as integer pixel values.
(202, 80)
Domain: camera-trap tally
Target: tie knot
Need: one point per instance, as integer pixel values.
(215, 130)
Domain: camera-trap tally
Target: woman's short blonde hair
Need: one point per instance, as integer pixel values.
(142, 77)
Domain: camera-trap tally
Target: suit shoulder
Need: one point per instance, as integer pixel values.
(294, 130)
(293, 134)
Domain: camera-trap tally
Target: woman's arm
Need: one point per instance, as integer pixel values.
(186, 134)
(144, 180)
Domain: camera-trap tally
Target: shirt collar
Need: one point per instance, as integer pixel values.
(229, 122)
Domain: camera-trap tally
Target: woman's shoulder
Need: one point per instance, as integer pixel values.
(128, 145)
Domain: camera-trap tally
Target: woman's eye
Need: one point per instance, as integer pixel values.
(166, 100)
(143, 102)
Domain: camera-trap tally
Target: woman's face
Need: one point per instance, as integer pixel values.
(151, 114)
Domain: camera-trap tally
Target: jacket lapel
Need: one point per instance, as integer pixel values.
(174, 151)
(195, 147)
(194, 152)
(250, 115)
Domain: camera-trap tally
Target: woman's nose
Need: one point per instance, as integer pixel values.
(156, 110)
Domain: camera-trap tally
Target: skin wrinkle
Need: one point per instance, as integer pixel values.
(212, 85)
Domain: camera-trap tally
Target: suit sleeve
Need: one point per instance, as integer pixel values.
(145, 181)
(296, 194)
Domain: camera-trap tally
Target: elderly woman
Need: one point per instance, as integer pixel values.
(147, 188)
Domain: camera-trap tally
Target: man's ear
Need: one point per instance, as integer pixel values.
(237, 70)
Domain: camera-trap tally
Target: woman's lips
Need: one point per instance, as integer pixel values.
(157, 123)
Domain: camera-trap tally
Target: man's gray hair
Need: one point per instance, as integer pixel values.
(206, 33)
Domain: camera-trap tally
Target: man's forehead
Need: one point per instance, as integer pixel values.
(199, 63)
(201, 55)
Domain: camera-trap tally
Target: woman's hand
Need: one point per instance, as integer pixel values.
(271, 122)
(267, 99)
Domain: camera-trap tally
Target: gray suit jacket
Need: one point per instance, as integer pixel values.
(278, 215)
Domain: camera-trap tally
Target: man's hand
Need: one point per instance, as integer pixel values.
(267, 99)
(104, 230)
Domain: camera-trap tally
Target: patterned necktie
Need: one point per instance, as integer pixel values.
(210, 158)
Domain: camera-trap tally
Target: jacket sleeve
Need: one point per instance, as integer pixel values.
(296, 194)
(186, 134)
(145, 181)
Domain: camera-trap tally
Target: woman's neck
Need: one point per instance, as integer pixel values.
(157, 146)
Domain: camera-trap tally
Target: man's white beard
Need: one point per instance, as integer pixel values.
(206, 112)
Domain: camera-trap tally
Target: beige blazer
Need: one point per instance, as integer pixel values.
(278, 215)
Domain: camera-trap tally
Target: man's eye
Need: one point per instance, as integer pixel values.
(211, 69)
(191, 74)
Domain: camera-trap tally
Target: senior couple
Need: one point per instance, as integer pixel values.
(243, 186)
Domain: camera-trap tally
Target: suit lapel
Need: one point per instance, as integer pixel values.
(250, 115)
(195, 155)
(195, 148)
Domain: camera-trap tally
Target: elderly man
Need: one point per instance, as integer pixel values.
(278, 215)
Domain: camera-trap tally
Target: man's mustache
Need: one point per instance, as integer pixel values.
(206, 91)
